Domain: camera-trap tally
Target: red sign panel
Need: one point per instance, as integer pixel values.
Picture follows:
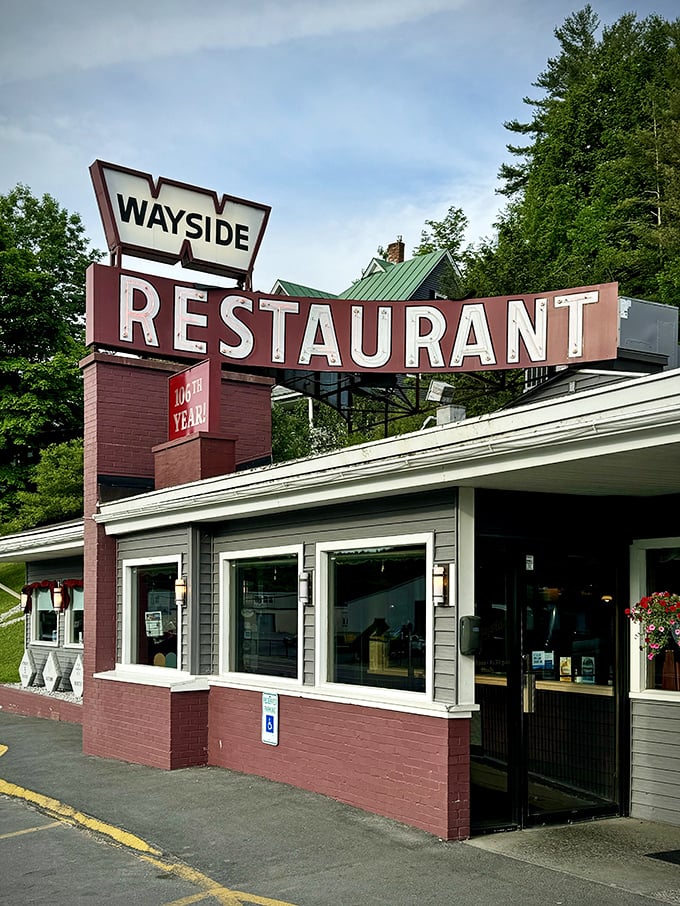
(192, 404)
(158, 316)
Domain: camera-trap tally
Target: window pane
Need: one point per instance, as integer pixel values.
(76, 617)
(154, 615)
(46, 629)
(265, 599)
(378, 617)
(663, 574)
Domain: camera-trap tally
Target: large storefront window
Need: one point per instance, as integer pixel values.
(663, 574)
(378, 617)
(153, 615)
(264, 604)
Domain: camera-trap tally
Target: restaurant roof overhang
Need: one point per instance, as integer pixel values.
(64, 539)
(622, 440)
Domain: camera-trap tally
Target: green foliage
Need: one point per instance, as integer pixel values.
(54, 248)
(290, 431)
(443, 234)
(595, 193)
(43, 259)
(293, 437)
(12, 575)
(58, 494)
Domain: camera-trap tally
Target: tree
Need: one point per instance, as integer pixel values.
(448, 233)
(43, 258)
(58, 483)
(595, 192)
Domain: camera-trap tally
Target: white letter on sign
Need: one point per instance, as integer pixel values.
(429, 341)
(280, 310)
(575, 302)
(473, 318)
(227, 306)
(143, 316)
(384, 344)
(184, 318)
(519, 325)
(320, 319)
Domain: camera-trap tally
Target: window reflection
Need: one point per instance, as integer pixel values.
(663, 574)
(378, 617)
(76, 617)
(265, 601)
(46, 617)
(154, 615)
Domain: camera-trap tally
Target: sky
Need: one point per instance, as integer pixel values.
(355, 120)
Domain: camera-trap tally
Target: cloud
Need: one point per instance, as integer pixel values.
(77, 35)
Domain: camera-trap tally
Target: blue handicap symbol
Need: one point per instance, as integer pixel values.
(269, 723)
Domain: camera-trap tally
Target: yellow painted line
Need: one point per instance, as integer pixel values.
(72, 816)
(210, 889)
(30, 830)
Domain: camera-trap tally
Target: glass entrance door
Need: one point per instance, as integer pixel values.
(544, 744)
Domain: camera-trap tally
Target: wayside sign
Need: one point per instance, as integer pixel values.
(170, 221)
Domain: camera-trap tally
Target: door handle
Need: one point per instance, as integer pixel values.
(528, 693)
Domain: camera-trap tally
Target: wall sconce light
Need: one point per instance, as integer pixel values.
(439, 585)
(180, 591)
(303, 588)
(57, 597)
(24, 601)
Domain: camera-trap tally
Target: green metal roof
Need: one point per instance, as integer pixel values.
(399, 281)
(297, 289)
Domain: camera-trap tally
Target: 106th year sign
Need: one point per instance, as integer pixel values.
(140, 313)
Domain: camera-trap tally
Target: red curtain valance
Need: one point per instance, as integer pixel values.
(67, 587)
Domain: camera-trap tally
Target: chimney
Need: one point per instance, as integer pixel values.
(395, 251)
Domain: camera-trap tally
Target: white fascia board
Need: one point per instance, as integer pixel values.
(630, 415)
(62, 540)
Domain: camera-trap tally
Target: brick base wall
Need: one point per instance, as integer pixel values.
(146, 724)
(409, 767)
(32, 704)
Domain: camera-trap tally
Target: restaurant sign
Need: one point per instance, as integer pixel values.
(170, 221)
(157, 316)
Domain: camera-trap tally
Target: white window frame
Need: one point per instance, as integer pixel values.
(126, 626)
(68, 621)
(227, 647)
(321, 596)
(638, 588)
(35, 640)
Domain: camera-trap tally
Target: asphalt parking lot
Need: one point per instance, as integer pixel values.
(85, 830)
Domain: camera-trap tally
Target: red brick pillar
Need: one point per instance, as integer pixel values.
(126, 416)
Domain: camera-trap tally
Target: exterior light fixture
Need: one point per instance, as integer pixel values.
(24, 601)
(180, 591)
(303, 588)
(57, 597)
(438, 585)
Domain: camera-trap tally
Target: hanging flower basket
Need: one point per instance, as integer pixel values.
(659, 619)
